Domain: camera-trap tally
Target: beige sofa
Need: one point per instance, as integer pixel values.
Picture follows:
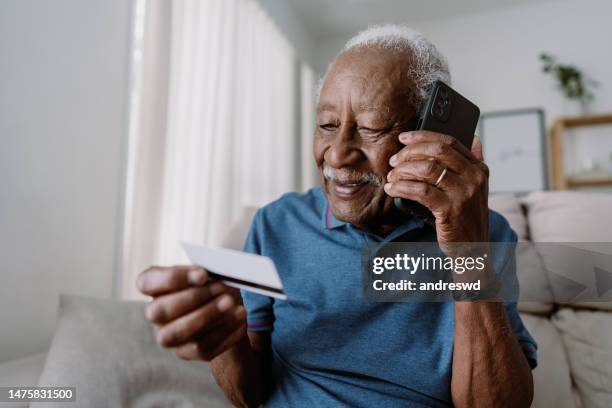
(574, 339)
(106, 348)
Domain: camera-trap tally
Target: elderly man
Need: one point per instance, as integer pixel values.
(326, 345)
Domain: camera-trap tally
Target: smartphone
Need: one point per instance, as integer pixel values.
(444, 111)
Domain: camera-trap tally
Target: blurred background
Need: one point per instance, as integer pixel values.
(129, 125)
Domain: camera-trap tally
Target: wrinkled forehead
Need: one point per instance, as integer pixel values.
(367, 79)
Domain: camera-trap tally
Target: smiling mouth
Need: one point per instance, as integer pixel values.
(347, 190)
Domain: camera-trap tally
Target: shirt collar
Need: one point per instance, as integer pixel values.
(331, 222)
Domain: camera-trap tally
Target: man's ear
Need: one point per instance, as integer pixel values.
(477, 148)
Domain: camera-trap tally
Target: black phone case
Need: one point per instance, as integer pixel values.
(446, 111)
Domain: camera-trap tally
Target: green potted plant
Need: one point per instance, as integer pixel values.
(571, 81)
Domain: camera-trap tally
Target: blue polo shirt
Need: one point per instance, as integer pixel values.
(329, 346)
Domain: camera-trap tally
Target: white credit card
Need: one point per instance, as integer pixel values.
(241, 270)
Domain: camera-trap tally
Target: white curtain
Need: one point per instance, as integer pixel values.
(308, 171)
(217, 124)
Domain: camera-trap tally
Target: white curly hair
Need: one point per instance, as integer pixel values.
(427, 63)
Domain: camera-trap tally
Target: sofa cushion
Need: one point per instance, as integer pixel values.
(535, 292)
(107, 350)
(551, 378)
(23, 372)
(567, 216)
(587, 336)
(536, 295)
(510, 207)
(583, 221)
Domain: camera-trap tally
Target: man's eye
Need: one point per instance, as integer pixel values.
(368, 131)
(328, 126)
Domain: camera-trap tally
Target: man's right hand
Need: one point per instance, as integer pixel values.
(200, 318)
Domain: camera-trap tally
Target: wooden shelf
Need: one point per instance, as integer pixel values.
(587, 120)
(558, 180)
(588, 182)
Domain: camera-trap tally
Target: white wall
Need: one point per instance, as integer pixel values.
(63, 81)
(494, 56)
(290, 23)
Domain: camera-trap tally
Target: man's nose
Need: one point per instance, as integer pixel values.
(344, 149)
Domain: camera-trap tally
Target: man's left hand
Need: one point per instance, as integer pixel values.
(459, 198)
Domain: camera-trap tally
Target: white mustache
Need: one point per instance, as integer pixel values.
(350, 176)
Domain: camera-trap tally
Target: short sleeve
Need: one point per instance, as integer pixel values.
(260, 315)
